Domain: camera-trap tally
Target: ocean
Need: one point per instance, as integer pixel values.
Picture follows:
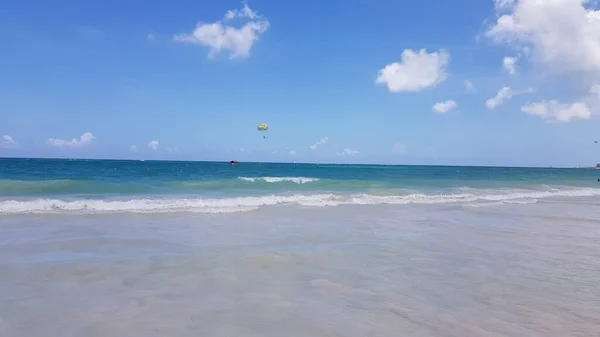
(158, 248)
(110, 186)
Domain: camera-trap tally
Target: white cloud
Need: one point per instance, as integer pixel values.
(133, 148)
(562, 35)
(555, 112)
(173, 150)
(562, 38)
(292, 152)
(319, 143)
(7, 141)
(84, 140)
(498, 100)
(348, 152)
(153, 144)
(245, 12)
(416, 71)
(509, 64)
(504, 94)
(558, 112)
(503, 4)
(469, 85)
(221, 36)
(593, 99)
(443, 107)
(400, 149)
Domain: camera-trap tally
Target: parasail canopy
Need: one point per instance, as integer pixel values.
(262, 127)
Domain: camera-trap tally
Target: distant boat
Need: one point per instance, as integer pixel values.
(597, 166)
(233, 162)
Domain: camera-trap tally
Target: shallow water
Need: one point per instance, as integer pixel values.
(58, 186)
(371, 270)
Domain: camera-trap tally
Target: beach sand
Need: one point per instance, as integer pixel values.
(373, 270)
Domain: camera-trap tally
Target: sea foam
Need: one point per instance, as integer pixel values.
(245, 204)
(297, 180)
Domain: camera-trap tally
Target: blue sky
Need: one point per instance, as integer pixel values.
(93, 79)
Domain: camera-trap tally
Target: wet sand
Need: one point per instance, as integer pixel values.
(411, 270)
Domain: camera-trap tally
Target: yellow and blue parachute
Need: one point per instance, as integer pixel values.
(262, 127)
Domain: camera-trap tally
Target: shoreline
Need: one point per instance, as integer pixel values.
(426, 269)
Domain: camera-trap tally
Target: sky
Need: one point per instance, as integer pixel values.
(462, 82)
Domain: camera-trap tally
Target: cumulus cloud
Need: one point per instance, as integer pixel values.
(562, 35)
(443, 107)
(84, 140)
(348, 152)
(496, 101)
(133, 148)
(501, 5)
(509, 64)
(469, 85)
(7, 141)
(319, 143)
(222, 36)
(416, 71)
(245, 12)
(593, 98)
(504, 94)
(553, 111)
(292, 152)
(153, 145)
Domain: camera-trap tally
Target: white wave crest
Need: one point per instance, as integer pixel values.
(503, 202)
(245, 204)
(297, 180)
(197, 205)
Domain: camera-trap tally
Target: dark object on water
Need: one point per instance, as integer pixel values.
(233, 162)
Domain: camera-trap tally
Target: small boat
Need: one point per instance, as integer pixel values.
(597, 166)
(233, 162)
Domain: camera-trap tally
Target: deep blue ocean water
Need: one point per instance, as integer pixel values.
(55, 185)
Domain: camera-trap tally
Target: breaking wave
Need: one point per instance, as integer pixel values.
(245, 204)
(296, 180)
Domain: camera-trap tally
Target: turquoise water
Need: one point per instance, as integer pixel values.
(312, 250)
(111, 185)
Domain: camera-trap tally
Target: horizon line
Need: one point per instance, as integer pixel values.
(294, 162)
